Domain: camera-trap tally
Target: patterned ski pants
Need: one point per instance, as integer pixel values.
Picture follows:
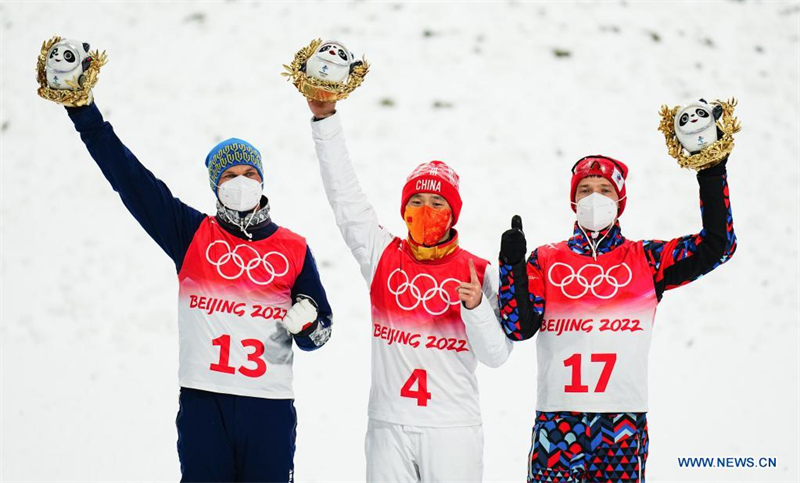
(588, 447)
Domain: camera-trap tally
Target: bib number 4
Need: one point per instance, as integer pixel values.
(574, 361)
(421, 394)
(254, 356)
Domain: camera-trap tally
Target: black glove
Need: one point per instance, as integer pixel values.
(512, 244)
(716, 170)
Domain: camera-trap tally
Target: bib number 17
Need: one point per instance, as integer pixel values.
(574, 361)
(421, 394)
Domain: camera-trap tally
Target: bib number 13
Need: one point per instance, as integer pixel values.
(574, 361)
(224, 343)
(421, 394)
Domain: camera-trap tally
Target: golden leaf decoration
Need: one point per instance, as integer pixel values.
(714, 153)
(78, 94)
(321, 90)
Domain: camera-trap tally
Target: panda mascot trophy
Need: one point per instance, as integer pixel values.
(326, 71)
(704, 131)
(67, 71)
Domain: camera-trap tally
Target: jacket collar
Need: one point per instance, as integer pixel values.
(609, 239)
(436, 252)
(244, 223)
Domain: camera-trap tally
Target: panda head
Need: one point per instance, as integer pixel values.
(66, 55)
(334, 52)
(694, 117)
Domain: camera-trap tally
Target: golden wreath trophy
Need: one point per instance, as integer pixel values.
(326, 71)
(67, 71)
(699, 135)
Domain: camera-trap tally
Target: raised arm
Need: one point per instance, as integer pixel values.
(169, 221)
(521, 295)
(682, 260)
(354, 214)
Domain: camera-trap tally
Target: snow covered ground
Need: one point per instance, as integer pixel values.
(510, 93)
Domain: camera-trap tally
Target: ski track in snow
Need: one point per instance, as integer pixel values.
(89, 335)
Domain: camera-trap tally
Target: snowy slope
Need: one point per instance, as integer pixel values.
(89, 339)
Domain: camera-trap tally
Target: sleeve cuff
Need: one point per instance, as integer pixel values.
(483, 311)
(716, 170)
(307, 332)
(85, 118)
(326, 129)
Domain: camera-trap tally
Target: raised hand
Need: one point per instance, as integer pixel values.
(512, 244)
(470, 292)
(321, 110)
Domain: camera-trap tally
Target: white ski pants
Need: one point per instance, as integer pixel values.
(407, 454)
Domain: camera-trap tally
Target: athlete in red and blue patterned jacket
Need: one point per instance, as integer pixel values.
(592, 299)
(247, 289)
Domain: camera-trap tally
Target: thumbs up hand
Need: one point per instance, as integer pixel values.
(512, 244)
(470, 292)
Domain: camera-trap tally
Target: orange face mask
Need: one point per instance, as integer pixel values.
(427, 225)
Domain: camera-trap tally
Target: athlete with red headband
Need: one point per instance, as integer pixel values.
(434, 316)
(593, 299)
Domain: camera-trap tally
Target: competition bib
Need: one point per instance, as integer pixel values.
(423, 371)
(593, 345)
(233, 294)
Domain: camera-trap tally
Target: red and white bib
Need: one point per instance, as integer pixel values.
(232, 294)
(595, 337)
(423, 368)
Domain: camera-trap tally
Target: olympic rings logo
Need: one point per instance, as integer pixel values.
(421, 294)
(245, 259)
(583, 280)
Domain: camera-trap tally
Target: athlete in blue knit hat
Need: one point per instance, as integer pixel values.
(248, 290)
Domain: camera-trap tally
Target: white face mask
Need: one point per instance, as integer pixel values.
(596, 212)
(240, 194)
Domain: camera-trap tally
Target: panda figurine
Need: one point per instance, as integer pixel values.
(67, 60)
(332, 62)
(696, 125)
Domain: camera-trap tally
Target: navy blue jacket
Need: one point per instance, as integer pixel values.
(169, 221)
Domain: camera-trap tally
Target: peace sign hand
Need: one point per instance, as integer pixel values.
(470, 292)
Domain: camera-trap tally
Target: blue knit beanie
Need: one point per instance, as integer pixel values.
(229, 153)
